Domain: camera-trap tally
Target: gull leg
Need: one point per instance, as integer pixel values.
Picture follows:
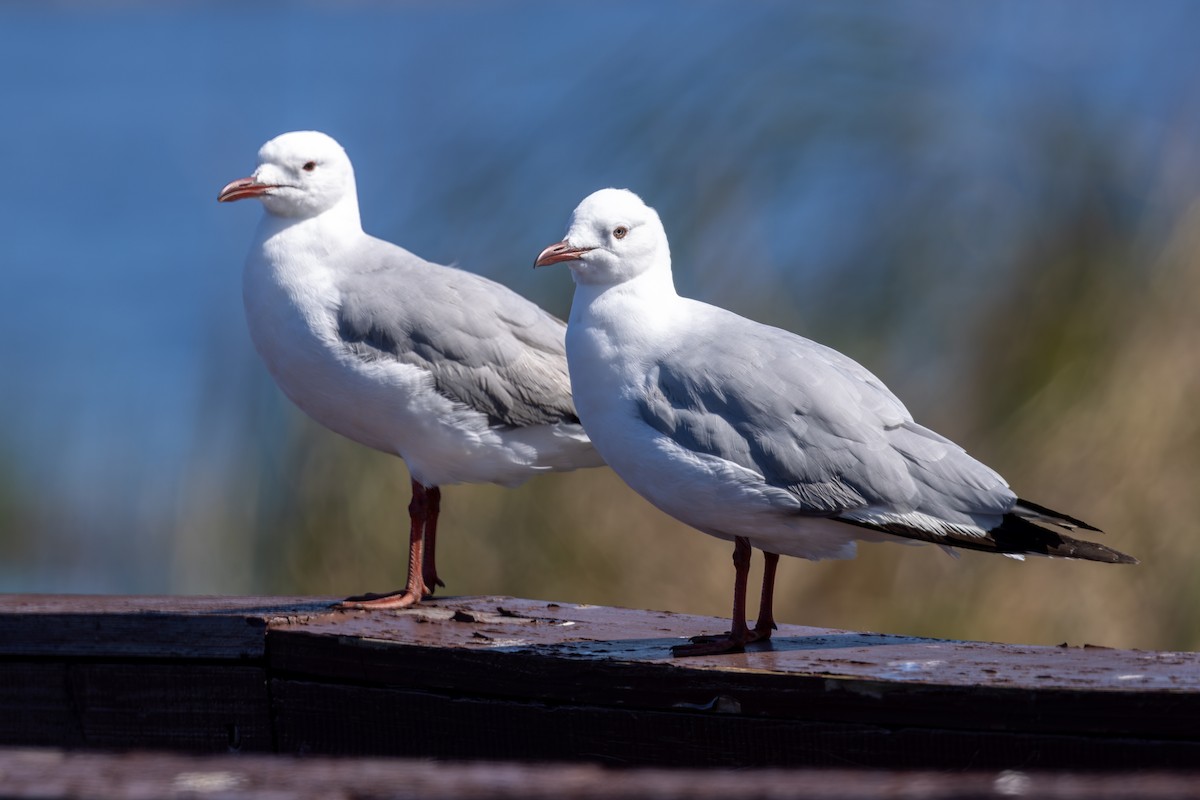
(739, 634)
(766, 613)
(429, 565)
(415, 590)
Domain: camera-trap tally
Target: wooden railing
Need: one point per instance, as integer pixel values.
(531, 681)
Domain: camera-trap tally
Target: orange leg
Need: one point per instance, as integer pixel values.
(429, 565)
(738, 634)
(415, 590)
(766, 612)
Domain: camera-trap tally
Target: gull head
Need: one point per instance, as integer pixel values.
(299, 175)
(613, 237)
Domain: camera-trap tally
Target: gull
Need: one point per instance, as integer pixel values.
(459, 376)
(759, 436)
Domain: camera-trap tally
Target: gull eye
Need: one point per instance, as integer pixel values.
(310, 166)
(620, 231)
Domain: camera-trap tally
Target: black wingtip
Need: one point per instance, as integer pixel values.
(1016, 534)
(1026, 508)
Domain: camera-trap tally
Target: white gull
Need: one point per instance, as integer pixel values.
(459, 376)
(756, 435)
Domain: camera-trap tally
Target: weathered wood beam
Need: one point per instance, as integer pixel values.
(500, 677)
(57, 775)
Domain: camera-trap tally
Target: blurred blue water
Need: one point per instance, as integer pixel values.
(475, 129)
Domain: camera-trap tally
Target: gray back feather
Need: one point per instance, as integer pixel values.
(813, 422)
(483, 345)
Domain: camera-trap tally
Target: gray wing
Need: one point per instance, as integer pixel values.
(817, 424)
(483, 345)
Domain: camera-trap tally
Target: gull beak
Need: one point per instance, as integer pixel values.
(563, 251)
(241, 189)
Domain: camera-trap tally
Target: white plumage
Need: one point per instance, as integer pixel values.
(756, 435)
(459, 376)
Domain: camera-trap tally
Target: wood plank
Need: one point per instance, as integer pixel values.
(586, 634)
(498, 677)
(57, 775)
(932, 702)
(144, 626)
(177, 672)
(193, 707)
(35, 706)
(313, 718)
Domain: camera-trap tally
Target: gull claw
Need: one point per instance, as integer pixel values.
(375, 602)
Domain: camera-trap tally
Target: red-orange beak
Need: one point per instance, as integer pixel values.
(563, 251)
(241, 189)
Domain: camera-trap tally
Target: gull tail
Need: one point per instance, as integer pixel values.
(1016, 535)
